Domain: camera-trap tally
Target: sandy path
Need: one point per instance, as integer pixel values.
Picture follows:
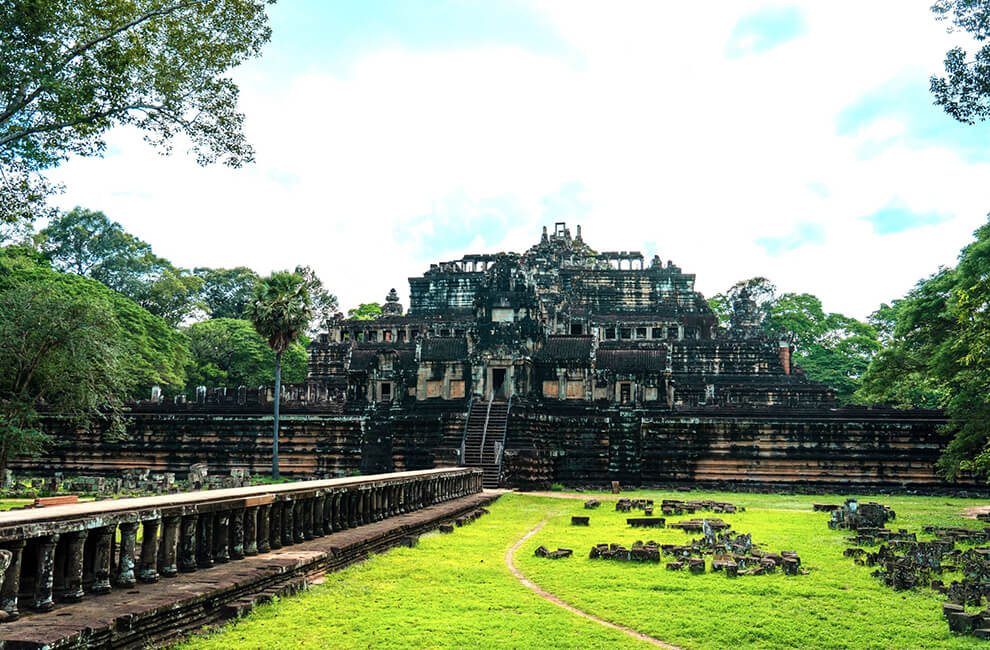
(558, 602)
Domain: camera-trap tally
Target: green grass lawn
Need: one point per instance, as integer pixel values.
(7, 504)
(455, 590)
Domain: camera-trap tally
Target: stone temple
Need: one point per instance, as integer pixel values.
(560, 364)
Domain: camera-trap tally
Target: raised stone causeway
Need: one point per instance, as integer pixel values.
(69, 582)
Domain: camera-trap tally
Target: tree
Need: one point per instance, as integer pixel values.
(87, 243)
(759, 289)
(964, 93)
(229, 352)
(225, 293)
(365, 311)
(152, 352)
(71, 71)
(61, 351)
(323, 302)
(280, 311)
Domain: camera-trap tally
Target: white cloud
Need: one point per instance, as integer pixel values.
(670, 142)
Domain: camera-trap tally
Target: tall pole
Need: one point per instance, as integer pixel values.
(278, 393)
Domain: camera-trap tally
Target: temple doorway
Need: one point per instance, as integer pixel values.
(498, 383)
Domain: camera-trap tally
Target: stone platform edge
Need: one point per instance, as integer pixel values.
(288, 570)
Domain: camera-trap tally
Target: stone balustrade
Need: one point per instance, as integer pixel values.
(65, 553)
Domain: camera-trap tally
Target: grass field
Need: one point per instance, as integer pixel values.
(456, 591)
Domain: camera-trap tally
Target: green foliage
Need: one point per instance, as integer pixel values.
(87, 243)
(280, 309)
(456, 591)
(61, 349)
(225, 293)
(323, 303)
(937, 354)
(71, 71)
(229, 352)
(365, 311)
(831, 348)
(964, 93)
(151, 352)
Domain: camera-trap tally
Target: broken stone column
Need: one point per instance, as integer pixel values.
(148, 569)
(124, 576)
(45, 576)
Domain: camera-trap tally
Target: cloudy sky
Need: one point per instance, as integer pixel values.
(795, 141)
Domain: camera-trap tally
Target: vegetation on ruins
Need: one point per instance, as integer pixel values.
(456, 591)
(71, 71)
(832, 348)
(964, 91)
(280, 311)
(365, 311)
(936, 352)
(230, 352)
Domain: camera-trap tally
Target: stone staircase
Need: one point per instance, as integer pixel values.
(484, 434)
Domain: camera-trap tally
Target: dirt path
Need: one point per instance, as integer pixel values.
(972, 511)
(558, 602)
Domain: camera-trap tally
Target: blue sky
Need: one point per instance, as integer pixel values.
(736, 138)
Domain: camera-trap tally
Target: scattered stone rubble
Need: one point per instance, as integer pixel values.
(733, 553)
(553, 555)
(580, 521)
(854, 515)
(592, 504)
(904, 562)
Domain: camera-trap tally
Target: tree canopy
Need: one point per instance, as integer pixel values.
(225, 293)
(153, 353)
(87, 243)
(71, 71)
(964, 91)
(831, 348)
(365, 311)
(937, 354)
(229, 352)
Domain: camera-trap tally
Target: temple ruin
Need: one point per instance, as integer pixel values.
(560, 364)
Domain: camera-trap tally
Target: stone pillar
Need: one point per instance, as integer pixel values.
(102, 555)
(147, 572)
(319, 516)
(11, 581)
(307, 518)
(339, 518)
(204, 541)
(275, 526)
(168, 550)
(288, 522)
(72, 585)
(124, 573)
(250, 531)
(299, 520)
(366, 506)
(44, 579)
(187, 543)
(328, 514)
(221, 537)
(264, 528)
(237, 533)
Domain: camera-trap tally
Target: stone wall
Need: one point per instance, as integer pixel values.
(570, 443)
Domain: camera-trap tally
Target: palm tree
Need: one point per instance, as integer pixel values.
(280, 312)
